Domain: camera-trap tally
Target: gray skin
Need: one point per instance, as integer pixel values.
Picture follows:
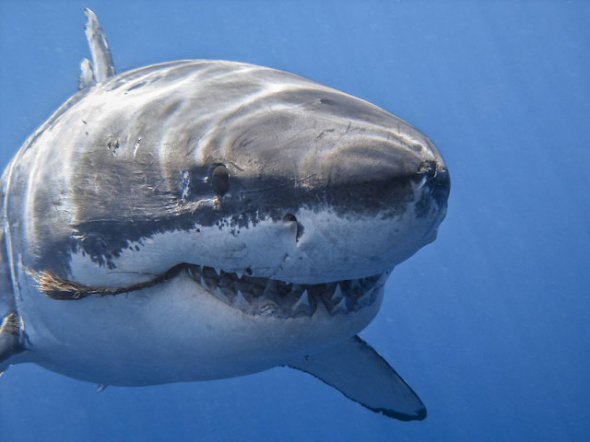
(206, 219)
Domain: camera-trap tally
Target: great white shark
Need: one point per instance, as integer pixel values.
(200, 220)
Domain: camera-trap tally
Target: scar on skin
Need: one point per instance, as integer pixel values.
(60, 289)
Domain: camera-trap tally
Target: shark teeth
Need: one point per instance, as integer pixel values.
(340, 307)
(304, 306)
(336, 301)
(337, 295)
(366, 299)
(240, 301)
(279, 299)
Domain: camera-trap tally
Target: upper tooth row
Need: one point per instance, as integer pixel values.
(259, 286)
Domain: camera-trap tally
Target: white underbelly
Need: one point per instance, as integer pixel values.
(172, 332)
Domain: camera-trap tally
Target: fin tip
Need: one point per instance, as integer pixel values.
(90, 14)
(419, 416)
(102, 59)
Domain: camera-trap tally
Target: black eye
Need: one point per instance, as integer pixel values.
(220, 179)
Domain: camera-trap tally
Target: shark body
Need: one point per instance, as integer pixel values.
(199, 220)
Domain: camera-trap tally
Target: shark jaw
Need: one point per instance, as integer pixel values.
(251, 295)
(274, 298)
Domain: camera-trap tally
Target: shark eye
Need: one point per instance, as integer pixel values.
(220, 179)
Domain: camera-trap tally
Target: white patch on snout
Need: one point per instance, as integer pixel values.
(261, 248)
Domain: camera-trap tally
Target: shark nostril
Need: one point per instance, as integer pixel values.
(427, 168)
(290, 218)
(436, 178)
(436, 173)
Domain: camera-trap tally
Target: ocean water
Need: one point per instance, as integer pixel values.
(490, 324)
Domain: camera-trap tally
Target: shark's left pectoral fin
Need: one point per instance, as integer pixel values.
(358, 372)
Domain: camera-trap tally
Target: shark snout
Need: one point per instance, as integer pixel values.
(437, 178)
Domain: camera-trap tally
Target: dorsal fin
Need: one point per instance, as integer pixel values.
(102, 60)
(86, 74)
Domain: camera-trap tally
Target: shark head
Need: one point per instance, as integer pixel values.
(287, 188)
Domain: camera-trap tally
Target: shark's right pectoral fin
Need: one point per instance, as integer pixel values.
(10, 322)
(358, 372)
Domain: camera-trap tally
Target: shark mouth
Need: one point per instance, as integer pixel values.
(249, 294)
(271, 297)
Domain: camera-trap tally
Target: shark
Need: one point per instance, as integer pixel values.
(198, 220)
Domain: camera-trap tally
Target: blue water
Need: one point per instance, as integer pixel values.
(490, 324)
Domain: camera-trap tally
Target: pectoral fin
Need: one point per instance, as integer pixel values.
(9, 339)
(10, 323)
(358, 372)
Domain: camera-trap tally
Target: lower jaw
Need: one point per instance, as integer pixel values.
(198, 327)
(271, 298)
